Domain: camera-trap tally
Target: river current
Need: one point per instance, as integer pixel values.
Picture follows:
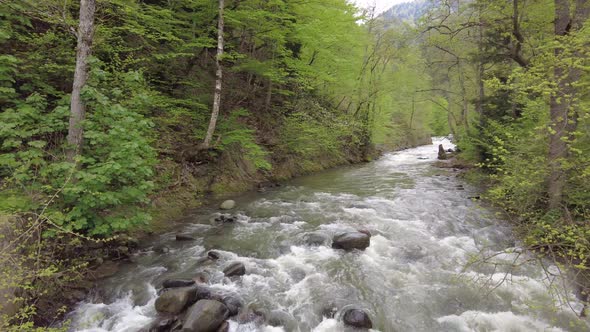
(415, 276)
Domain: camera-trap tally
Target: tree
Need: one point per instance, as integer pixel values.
(84, 50)
(218, 79)
(564, 101)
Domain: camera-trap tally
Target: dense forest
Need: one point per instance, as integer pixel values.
(116, 115)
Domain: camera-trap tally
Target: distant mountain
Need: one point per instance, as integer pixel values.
(407, 12)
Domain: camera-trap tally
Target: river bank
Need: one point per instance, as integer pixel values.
(425, 230)
(218, 181)
(101, 259)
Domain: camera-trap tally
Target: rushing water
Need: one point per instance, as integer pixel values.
(425, 230)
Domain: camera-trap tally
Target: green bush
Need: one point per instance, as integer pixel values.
(102, 194)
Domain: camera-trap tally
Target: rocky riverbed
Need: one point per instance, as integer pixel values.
(385, 246)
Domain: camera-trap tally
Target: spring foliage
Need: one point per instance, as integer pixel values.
(307, 85)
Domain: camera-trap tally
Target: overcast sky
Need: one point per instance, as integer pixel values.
(382, 5)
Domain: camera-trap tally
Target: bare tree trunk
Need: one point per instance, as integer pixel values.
(84, 49)
(480, 71)
(563, 102)
(464, 101)
(218, 79)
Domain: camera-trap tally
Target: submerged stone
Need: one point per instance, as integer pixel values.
(227, 205)
(184, 237)
(351, 240)
(205, 316)
(175, 300)
(357, 318)
(235, 269)
(174, 283)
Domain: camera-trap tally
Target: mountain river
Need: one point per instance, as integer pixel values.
(414, 276)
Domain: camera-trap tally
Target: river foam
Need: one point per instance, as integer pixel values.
(418, 274)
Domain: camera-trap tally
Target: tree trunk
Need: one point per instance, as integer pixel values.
(84, 49)
(218, 79)
(480, 71)
(562, 109)
(464, 101)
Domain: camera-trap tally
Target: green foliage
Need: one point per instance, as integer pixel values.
(304, 83)
(233, 132)
(116, 167)
(315, 133)
(524, 70)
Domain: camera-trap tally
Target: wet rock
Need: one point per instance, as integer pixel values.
(450, 150)
(214, 255)
(251, 316)
(224, 327)
(227, 205)
(163, 325)
(184, 237)
(422, 158)
(204, 293)
(226, 218)
(161, 249)
(316, 239)
(359, 206)
(357, 318)
(235, 269)
(233, 304)
(282, 318)
(268, 184)
(460, 187)
(364, 231)
(128, 241)
(205, 316)
(201, 277)
(175, 283)
(442, 155)
(474, 197)
(351, 240)
(176, 300)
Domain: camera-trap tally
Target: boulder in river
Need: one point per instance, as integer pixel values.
(224, 327)
(164, 325)
(175, 283)
(184, 237)
(235, 269)
(202, 277)
(161, 249)
(233, 304)
(282, 318)
(176, 300)
(442, 155)
(351, 240)
(227, 205)
(205, 316)
(214, 255)
(357, 318)
(251, 316)
(226, 218)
